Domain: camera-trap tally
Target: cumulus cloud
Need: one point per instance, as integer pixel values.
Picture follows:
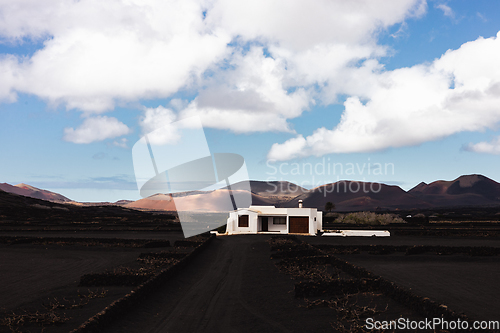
(96, 129)
(307, 46)
(251, 66)
(458, 92)
(298, 26)
(98, 53)
(163, 118)
(8, 64)
(250, 97)
(492, 147)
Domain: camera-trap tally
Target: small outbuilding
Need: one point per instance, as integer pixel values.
(269, 219)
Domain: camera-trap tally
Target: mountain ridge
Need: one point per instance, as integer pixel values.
(347, 195)
(34, 192)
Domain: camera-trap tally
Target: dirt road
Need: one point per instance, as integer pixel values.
(232, 286)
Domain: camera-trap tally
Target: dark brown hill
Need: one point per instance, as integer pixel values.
(468, 190)
(210, 201)
(18, 208)
(271, 188)
(33, 192)
(351, 196)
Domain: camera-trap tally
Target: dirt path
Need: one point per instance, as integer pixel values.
(232, 286)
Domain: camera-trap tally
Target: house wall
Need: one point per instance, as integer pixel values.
(254, 220)
(276, 227)
(319, 221)
(232, 225)
(311, 213)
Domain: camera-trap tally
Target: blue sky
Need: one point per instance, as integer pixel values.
(410, 84)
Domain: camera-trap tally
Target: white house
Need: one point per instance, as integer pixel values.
(269, 219)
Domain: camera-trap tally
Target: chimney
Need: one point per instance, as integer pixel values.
(300, 203)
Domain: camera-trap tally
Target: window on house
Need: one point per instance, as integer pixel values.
(279, 220)
(243, 221)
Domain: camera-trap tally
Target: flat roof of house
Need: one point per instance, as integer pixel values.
(271, 210)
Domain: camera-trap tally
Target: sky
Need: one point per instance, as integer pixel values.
(392, 91)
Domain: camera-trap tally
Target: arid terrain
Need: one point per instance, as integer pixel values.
(467, 190)
(464, 191)
(114, 269)
(255, 283)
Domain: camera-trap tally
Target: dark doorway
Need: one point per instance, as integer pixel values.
(264, 224)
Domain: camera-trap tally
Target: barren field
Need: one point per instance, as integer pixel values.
(466, 284)
(233, 286)
(32, 271)
(54, 282)
(172, 236)
(251, 283)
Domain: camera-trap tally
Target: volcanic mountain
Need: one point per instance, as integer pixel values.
(468, 190)
(19, 208)
(355, 196)
(33, 192)
(262, 193)
(211, 201)
(347, 196)
(271, 188)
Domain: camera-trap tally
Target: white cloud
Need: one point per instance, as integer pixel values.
(8, 64)
(98, 52)
(447, 11)
(122, 143)
(458, 92)
(156, 118)
(250, 97)
(284, 56)
(298, 25)
(96, 129)
(492, 147)
(252, 66)
(293, 148)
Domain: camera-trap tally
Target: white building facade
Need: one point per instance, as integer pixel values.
(269, 219)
